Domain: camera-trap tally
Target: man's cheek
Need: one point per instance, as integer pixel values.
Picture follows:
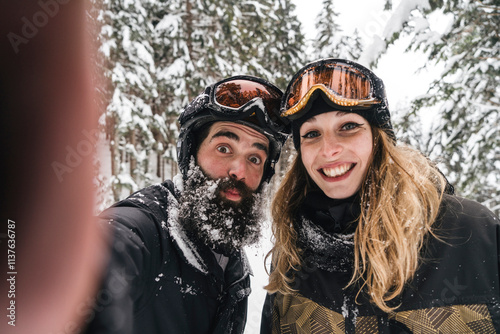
(255, 181)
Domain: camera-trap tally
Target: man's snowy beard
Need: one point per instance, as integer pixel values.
(209, 218)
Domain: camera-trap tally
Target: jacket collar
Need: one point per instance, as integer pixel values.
(332, 215)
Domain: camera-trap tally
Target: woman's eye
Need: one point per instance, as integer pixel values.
(311, 134)
(223, 149)
(351, 126)
(255, 160)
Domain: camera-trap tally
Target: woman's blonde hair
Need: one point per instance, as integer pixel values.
(400, 199)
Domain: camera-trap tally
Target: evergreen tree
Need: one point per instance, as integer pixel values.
(330, 40)
(283, 50)
(284, 53)
(130, 117)
(469, 98)
(102, 95)
(159, 54)
(465, 99)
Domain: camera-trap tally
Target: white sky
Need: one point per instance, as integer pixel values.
(365, 15)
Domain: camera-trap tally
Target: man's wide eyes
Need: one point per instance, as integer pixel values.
(256, 160)
(223, 149)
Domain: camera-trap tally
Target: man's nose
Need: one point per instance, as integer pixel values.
(237, 169)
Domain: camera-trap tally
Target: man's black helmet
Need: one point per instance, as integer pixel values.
(247, 100)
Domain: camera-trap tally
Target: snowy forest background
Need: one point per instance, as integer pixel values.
(154, 56)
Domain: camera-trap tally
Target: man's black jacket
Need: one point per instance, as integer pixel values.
(158, 281)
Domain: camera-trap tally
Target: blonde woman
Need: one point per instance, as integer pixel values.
(369, 237)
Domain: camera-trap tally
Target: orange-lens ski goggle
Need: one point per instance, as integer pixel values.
(240, 97)
(240, 94)
(346, 84)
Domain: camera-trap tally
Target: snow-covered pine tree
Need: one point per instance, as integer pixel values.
(130, 68)
(207, 41)
(465, 99)
(159, 54)
(331, 41)
(104, 192)
(468, 96)
(282, 51)
(164, 127)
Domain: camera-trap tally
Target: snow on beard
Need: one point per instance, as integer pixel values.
(209, 218)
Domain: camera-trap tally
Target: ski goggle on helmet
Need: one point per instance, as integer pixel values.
(247, 100)
(344, 85)
(242, 98)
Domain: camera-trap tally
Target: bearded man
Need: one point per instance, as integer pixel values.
(177, 263)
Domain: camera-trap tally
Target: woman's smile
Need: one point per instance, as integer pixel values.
(336, 150)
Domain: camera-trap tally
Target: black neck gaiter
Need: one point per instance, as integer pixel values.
(325, 230)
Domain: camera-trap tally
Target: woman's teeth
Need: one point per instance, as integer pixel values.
(337, 171)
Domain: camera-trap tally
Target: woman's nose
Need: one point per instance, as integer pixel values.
(331, 147)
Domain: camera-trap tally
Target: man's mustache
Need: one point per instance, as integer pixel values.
(240, 186)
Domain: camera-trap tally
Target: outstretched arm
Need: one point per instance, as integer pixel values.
(46, 111)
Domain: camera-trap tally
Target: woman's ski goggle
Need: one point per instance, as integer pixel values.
(345, 84)
(245, 97)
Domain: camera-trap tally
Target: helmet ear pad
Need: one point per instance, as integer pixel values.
(199, 136)
(195, 140)
(189, 142)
